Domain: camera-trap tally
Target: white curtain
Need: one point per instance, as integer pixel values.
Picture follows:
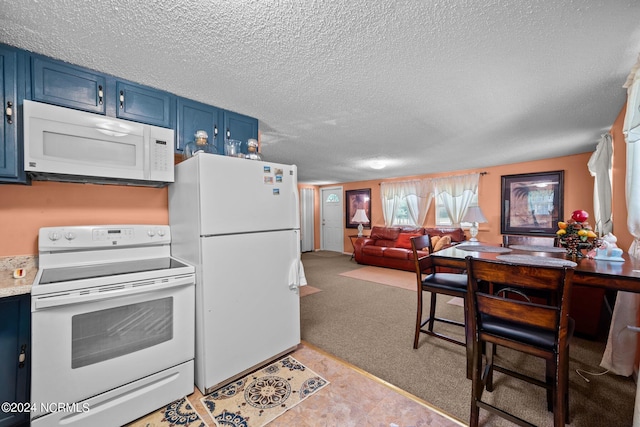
(456, 193)
(416, 193)
(390, 201)
(620, 352)
(306, 219)
(419, 199)
(600, 167)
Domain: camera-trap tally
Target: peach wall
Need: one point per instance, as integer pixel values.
(26, 208)
(578, 192)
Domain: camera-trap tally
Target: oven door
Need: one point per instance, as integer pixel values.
(81, 349)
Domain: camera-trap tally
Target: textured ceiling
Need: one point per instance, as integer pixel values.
(423, 86)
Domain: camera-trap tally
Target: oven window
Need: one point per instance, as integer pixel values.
(106, 334)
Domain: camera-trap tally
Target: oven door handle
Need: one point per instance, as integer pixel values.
(67, 299)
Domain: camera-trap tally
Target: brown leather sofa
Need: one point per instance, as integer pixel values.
(391, 246)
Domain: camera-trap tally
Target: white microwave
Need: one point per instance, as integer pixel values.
(62, 144)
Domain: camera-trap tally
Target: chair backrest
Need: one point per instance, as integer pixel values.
(510, 239)
(421, 260)
(490, 286)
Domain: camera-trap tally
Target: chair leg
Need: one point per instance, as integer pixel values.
(476, 385)
(551, 380)
(432, 311)
(490, 351)
(418, 320)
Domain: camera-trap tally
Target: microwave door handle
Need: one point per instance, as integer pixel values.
(146, 151)
(67, 299)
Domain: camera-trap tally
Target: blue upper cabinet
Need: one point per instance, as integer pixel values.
(240, 127)
(194, 116)
(141, 104)
(11, 96)
(67, 85)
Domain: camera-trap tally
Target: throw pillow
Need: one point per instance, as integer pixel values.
(404, 240)
(434, 241)
(442, 243)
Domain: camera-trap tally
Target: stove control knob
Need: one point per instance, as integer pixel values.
(160, 232)
(54, 235)
(69, 235)
(151, 233)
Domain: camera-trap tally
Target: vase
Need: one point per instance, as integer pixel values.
(576, 250)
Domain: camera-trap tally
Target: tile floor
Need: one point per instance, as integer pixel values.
(354, 398)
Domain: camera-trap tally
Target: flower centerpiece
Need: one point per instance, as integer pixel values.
(576, 234)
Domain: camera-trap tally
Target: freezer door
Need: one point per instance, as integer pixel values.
(248, 312)
(239, 195)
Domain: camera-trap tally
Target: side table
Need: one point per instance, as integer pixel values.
(353, 238)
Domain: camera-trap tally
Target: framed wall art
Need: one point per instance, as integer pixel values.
(532, 203)
(358, 208)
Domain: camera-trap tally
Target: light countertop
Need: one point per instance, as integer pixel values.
(10, 286)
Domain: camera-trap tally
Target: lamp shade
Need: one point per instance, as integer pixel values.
(360, 216)
(474, 214)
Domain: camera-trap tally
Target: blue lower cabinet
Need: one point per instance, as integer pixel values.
(15, 359)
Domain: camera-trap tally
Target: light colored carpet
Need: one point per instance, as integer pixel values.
(390, 277)
(308, 290)
(385, 276)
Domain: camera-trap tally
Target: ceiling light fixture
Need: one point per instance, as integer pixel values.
(377, 164)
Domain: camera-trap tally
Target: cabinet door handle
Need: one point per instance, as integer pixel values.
(9, 112)
(215, 131)
(22, 356)
(228, 134)
(121, 99)
(100, 95)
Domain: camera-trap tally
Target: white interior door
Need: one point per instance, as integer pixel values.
(331, 214)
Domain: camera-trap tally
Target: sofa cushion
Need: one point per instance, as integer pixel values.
(404, 240)
(457, 234)
(397, 253)
(373, 250)
(385, 233)
(443, 242)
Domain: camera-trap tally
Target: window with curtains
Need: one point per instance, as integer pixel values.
(442, 218)
(401, 215)
(454, 195)
(406, 202)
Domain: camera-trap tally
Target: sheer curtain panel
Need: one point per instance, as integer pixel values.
(307, 200)
(600, 165)
(456, 193)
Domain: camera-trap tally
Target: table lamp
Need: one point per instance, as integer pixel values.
(360, 217)
(474, 215)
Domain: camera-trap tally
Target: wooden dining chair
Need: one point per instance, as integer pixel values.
(508, 319)
(428, 280)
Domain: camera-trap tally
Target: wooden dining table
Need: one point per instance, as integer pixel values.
(610, 275)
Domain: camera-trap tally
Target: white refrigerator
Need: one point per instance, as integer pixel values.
(237, 221)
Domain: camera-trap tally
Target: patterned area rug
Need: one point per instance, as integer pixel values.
(260, 397)
(178, 413)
